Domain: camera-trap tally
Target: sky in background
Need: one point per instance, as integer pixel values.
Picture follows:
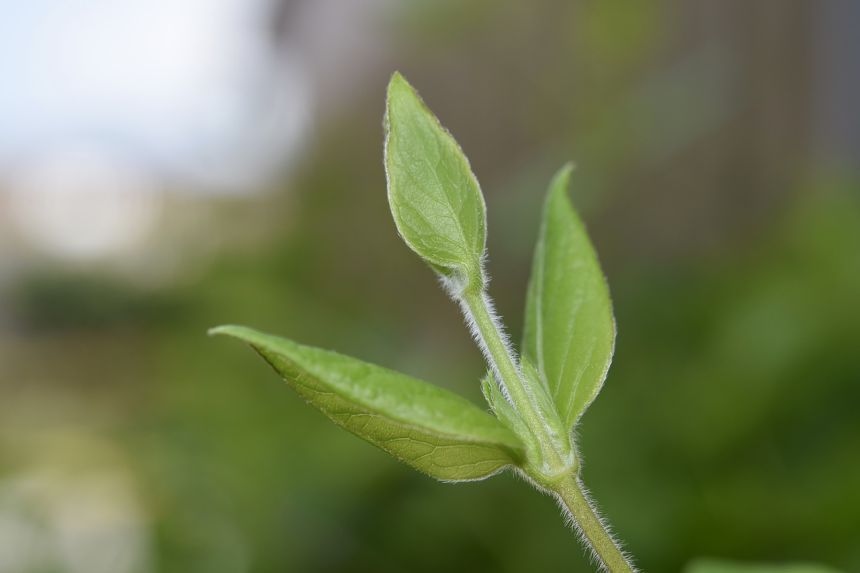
(184, 89)
(107, 102)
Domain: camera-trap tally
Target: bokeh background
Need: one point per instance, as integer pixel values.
(166, 166)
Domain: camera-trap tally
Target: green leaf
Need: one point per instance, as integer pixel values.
(544, 402)
(569, 326)
(721, 566)
(434, 197)
(431, 429)
(505, 412)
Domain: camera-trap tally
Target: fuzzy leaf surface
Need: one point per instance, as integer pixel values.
(429, 428)
(569, 325)
(434, 196)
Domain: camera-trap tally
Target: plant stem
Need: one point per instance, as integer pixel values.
(478, 307)
(561, 477)
(571, 494)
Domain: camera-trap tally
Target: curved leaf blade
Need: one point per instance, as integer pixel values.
(434, 196)
(429, 428)
(569, 325)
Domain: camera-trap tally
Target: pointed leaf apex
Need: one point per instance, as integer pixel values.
(397, 80)
(561, 179)
(223, 329)
(236, 331)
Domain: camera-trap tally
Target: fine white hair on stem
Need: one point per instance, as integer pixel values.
(475, 331)
(571, 522)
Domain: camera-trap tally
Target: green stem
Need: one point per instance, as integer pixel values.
(556, 474)
(571, 494)
(477, 306)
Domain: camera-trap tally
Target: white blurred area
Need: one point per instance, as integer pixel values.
(80, 513)
(111, 107)
(83, 205)
(80, 524)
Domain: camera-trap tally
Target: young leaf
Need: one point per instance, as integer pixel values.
(434, 197)
(431, 429)
(505, 412)
(569, 326)
(544, 402)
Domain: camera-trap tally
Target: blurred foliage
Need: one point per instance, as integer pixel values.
(728, 425)
(716, 566)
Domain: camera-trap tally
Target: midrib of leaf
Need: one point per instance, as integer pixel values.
(448, 190)
(415, 435)
(573, 386)
(571, 401)
(538, 301)
(374, 412)
(446, 205)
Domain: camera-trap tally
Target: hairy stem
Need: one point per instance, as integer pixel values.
(497, 349)
(478, 308)
(571, 494)
(560, 477)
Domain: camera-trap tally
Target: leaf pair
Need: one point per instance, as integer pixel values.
(439, 211)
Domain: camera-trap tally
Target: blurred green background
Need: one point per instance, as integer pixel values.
(718, 168)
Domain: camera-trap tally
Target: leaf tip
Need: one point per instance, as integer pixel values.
(398, 81)
(233, 330)
(256, 339)
(403, 98)
(216, 330)
(398, 89)
(562, 176)
(396, 77)
(398, 86)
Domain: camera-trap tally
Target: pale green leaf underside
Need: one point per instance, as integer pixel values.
(569, 326)
(435, 199)
(720, 566)
(427, 427)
